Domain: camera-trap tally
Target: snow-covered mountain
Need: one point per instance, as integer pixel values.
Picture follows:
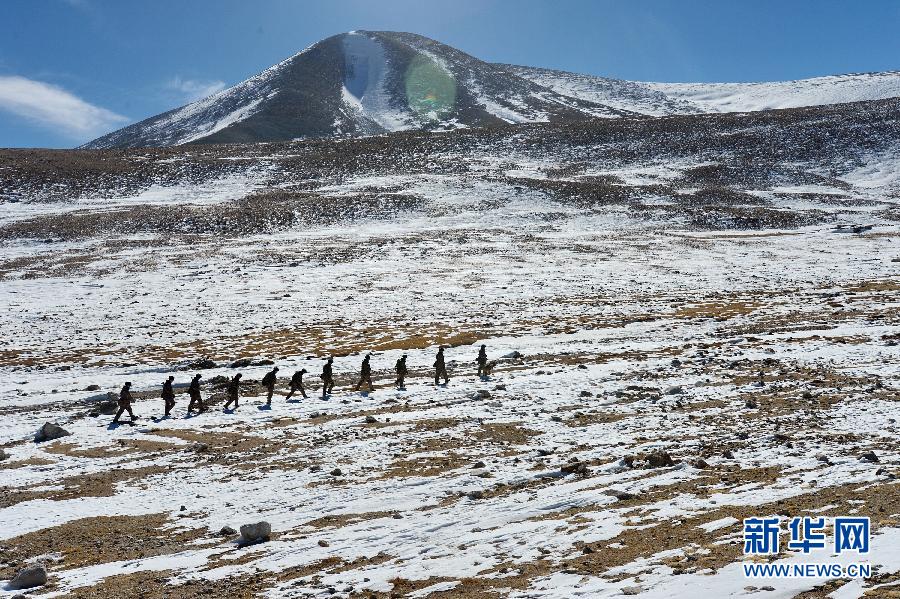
(366, 82)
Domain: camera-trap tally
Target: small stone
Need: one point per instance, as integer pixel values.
(869, 456)
(227, 531)
(371, 419)
(587, 549)
(767, 588)
(631, 590)
(701, 464)
(728, 455)
(476, 494)
(586, 394)
(751, 404)
(29, 578)
(337, 472)
(323, 543)
(674, 390)
(544, 451)
(3, 455)
(479, 464)
(92, 388)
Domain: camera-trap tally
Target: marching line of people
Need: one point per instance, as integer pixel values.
(233, 387)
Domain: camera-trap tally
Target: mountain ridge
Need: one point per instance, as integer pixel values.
(373, 82)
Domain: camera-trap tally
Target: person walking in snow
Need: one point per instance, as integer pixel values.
(168, 395)
(440, 368)
(194, 393)
(482, 361)
(400, 368)
(365, 374)
(327, 377)
(268, 382)
(124, 403)
(234, 391)
(297, 384)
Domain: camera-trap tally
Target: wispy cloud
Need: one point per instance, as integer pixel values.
(54, 107)
(194, 89)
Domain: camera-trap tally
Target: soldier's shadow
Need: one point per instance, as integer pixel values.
(264, 408)
(114, 425)
(294, 401)
(229, 411)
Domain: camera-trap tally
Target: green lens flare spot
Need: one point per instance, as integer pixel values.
(430, 89)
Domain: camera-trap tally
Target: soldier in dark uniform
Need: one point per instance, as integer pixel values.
(124, 403)
(482, 361)
(168, 396)
(400, 368)
(234, 391)
(440, 368)
(297, 384)
(268, 382)
(327, 378)
(194, 392)
(365, 374)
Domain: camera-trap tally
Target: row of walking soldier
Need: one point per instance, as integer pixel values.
(268, 382)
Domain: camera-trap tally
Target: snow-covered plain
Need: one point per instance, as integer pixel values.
(764, 362)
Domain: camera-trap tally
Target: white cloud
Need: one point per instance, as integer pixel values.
(54, 107)
(194, 89)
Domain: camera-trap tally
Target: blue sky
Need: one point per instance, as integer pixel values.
(71, 70)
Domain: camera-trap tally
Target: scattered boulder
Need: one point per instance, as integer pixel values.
(323, 543)
(256, 533)
(659, 459)
(674, 390)
(29, 578)
(585, 394)
(337, 472)
(631, 590)
(476, 494)
(371, 419)
(574, 468)
(587, 549)
(701, 464)
(202, 364)
(92, 388)
(107, 407)
(50, 431)
(479, 464)
(513, 355)
(481, 394)
(245, 362)
(869, 456)
(544, 451)
(751, 403)
(227, 531)
(3, 455)
(619, 494)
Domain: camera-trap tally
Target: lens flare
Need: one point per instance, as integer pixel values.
(430, 89)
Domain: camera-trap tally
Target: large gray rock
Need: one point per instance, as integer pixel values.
(256, 533)
(50, 431)
(3, 455)
(30, 577)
